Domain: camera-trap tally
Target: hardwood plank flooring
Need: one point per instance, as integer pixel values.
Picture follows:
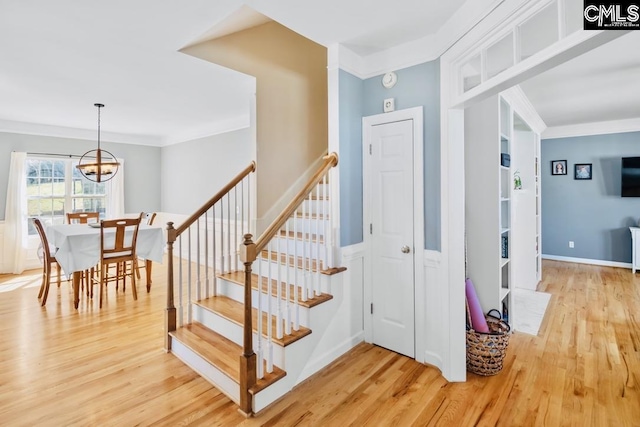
(106, 367)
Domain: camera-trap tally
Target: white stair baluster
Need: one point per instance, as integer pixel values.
(317, 233)
(189, 282)
(305, 277)
(229, 231)
(236, 256)
(180, 285)
(278, 283)
(260, 350)
(269, 314)
(198, 260)
(215, 261)
(296, 285)
(287, 293)
(222, 257)
(207, 283)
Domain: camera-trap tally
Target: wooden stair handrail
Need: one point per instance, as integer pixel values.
(172, 235)
(212, 201)
(328, 161)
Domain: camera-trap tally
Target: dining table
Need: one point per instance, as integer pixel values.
(78, 248)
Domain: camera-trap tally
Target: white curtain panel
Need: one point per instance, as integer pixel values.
(15, 227)
(115, 200)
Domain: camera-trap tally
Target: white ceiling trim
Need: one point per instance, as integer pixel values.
(74, 133)
(418, 51)
(595, 128)
(236, 123)
(523, 107)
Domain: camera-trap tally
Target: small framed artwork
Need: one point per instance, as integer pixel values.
(582, 171)
(558, 167)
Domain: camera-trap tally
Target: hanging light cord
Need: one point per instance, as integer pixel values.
(99, 107)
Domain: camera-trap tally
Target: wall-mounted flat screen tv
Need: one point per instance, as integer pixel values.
(630, 177)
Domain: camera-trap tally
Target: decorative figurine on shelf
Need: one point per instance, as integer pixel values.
(517, 182)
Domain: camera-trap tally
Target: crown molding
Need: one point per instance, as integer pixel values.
(75, 133)
(230, 125)
(25, 128)
(594, 128)
(418, 51)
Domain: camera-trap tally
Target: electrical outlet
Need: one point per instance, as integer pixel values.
(571, 244)
(389, 105)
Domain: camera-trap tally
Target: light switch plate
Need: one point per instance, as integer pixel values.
(389, 105)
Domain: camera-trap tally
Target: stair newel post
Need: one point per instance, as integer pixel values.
(248, 357)
(170, 312)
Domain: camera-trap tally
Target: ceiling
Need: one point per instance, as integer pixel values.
(59, 58)
(599, 86)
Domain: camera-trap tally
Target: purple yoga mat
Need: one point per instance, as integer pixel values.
(478, 321)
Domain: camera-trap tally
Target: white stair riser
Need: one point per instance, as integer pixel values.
(314, 206)
(306, 225)
(236, 292)
(233, 332)
(299, 248)
(206, 370)
(296, 275)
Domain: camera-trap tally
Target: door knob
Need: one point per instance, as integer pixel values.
(405, 249)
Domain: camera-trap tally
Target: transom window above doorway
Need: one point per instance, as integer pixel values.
(535, 28)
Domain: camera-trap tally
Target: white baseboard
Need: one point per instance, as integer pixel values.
(588, 261)
(352, 252)
(433, 359)
(331, 355)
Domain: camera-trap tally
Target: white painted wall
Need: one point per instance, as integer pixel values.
(193, 171)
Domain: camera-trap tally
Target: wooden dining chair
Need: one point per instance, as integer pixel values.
(119, 251)
(82, 217)
(145, 218)
(48, 258)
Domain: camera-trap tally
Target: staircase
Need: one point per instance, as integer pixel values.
(255, 318)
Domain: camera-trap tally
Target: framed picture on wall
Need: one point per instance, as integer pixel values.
(582, 171)
(558, 167)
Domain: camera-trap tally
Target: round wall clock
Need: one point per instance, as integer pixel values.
(389, 80)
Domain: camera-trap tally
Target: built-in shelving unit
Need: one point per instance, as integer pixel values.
(489, 198)
(538, 260)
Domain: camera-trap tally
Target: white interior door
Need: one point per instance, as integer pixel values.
(392, 242)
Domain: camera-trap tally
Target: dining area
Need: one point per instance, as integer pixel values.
(98, 253)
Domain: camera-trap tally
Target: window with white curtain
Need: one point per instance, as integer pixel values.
(55, 187)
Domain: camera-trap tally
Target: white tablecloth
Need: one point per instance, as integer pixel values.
(79, 245)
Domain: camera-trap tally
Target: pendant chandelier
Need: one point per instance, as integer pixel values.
(98, 165)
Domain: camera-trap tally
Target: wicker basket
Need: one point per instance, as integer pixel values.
(486, 351)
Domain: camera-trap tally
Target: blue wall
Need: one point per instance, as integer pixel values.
(141, 167)
(351, 112)
(589, 212)
(417, 86)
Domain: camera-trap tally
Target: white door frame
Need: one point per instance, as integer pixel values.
(415, 114)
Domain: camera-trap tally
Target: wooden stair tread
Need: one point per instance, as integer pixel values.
(315, 197)
(233, 311)
(303, 263)
(312, 216)
(313, 238)
(221, 353)
(238, 277)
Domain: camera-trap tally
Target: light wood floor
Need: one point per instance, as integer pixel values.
(93, 367)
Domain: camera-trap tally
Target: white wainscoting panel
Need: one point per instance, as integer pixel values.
(432, 307)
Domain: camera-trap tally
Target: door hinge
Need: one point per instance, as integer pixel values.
(370, 149)
(371, 308)
(370, 228)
